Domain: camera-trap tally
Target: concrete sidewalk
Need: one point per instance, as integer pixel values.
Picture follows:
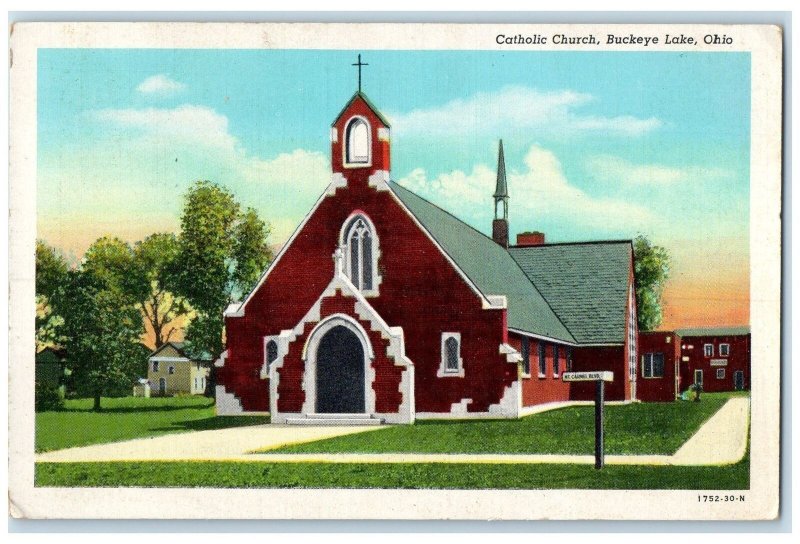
(721, 440)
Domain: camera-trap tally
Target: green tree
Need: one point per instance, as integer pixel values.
(51, 275)
(222, 253)
(651, 271)
(102, 322)
(155, 271)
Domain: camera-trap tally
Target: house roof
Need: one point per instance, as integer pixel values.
(371, 106)
(179, 347)
(489, 266)
(586, 284)
(713, 331)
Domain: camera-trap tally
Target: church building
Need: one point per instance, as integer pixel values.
(384, 308)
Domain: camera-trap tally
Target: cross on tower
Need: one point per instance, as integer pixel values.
(359, 64)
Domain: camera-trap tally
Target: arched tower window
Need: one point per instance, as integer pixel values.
(360, 250)
(357, 142)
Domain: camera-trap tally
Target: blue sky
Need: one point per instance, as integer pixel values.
(597, 145)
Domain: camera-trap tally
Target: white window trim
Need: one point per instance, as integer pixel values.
(727, 350)
(555, 355)
(652, 366)
(541, 354)
(346, 142)
(443, 372)
(702, 378)
(705, 351)
(344, 245)
(722, 371)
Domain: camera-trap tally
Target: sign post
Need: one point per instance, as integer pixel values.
(600, 378)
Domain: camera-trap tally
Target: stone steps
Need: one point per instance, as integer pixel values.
(334, 419)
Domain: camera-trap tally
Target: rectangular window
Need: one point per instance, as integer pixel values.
(526, 356)
(451, 364)
(542, 360)
(653, 365)
(698, 376)
(708, 350)
(720, 373)
(171, 370)
(724, 350)
(155, 366)
(555, 361)
(569, 359)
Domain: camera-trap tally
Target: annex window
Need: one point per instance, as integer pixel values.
(569, 359)
(708, 350)
(526, 356)
(155, 366)
(542, 360)
(724, 350)
(720, 373)
(451, 364)
(357, 142)
(361, 253)
(653, 365)
(272, 352)
(556, 363)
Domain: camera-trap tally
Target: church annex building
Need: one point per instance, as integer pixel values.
(383, 307)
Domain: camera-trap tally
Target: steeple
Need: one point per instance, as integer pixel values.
(500, 223)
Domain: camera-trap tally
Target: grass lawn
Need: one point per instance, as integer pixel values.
(129, 417)
(398, 475)
(639, 428)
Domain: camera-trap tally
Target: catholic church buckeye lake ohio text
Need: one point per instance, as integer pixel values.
(611, 39)
(384, 308)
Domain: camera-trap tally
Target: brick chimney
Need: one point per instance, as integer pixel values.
(528, 239)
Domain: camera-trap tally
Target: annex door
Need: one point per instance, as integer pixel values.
(340, 373)
(738, 380)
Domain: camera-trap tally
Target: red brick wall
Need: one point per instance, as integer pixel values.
(538, 389)
(420, 292)
(739, 359)
(613, 358)
(658, 389)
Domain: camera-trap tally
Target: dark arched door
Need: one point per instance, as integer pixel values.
(340, 373)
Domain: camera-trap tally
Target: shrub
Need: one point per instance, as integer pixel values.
(48, 398)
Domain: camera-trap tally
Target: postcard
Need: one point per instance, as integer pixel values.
(395, 271)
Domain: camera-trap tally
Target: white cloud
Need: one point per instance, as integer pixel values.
(160, 84)
(558, 112)
(540, 194)
(616, 169)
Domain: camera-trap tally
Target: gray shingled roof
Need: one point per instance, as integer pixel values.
(713, 331)
(489, 266)
(585, 284)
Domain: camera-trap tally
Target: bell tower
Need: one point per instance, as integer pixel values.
(500, 223)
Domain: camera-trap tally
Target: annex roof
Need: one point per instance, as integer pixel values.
(713, 331)
(586, 284)
(489, 266)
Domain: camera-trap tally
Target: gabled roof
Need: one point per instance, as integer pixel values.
(713, 331)
(363, 97)
(586, 284)
(489, 266)
(179, 347)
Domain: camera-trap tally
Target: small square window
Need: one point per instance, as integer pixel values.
(720, 373)
(708, 350)
(724, 350)
(155, 366)
(172, 370)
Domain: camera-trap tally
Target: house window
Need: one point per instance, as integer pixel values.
(155, 366)
(653, 365)
(724, 350)
(720, 373)
(555, 361)
(708, 350)
(526, 356)
(452, 364)
(357, 132)
(542, 360)
(272, 351)
(361, 250)
(171, 369)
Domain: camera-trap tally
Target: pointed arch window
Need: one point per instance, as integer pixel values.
(357, 144)
(361, 254)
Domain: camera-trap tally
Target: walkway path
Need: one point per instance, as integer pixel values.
(721, 440)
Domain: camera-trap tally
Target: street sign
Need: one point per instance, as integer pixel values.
(599, 378)
(604, 376)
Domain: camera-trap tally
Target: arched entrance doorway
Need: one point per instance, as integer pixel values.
(340, 372)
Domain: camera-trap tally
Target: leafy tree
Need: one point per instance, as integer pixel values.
(651, 271)
(102, 323)
(222, 252)
(155, 270)
(51, 274)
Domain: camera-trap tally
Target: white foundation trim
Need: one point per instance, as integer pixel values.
(511, 403)
(227, 403)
